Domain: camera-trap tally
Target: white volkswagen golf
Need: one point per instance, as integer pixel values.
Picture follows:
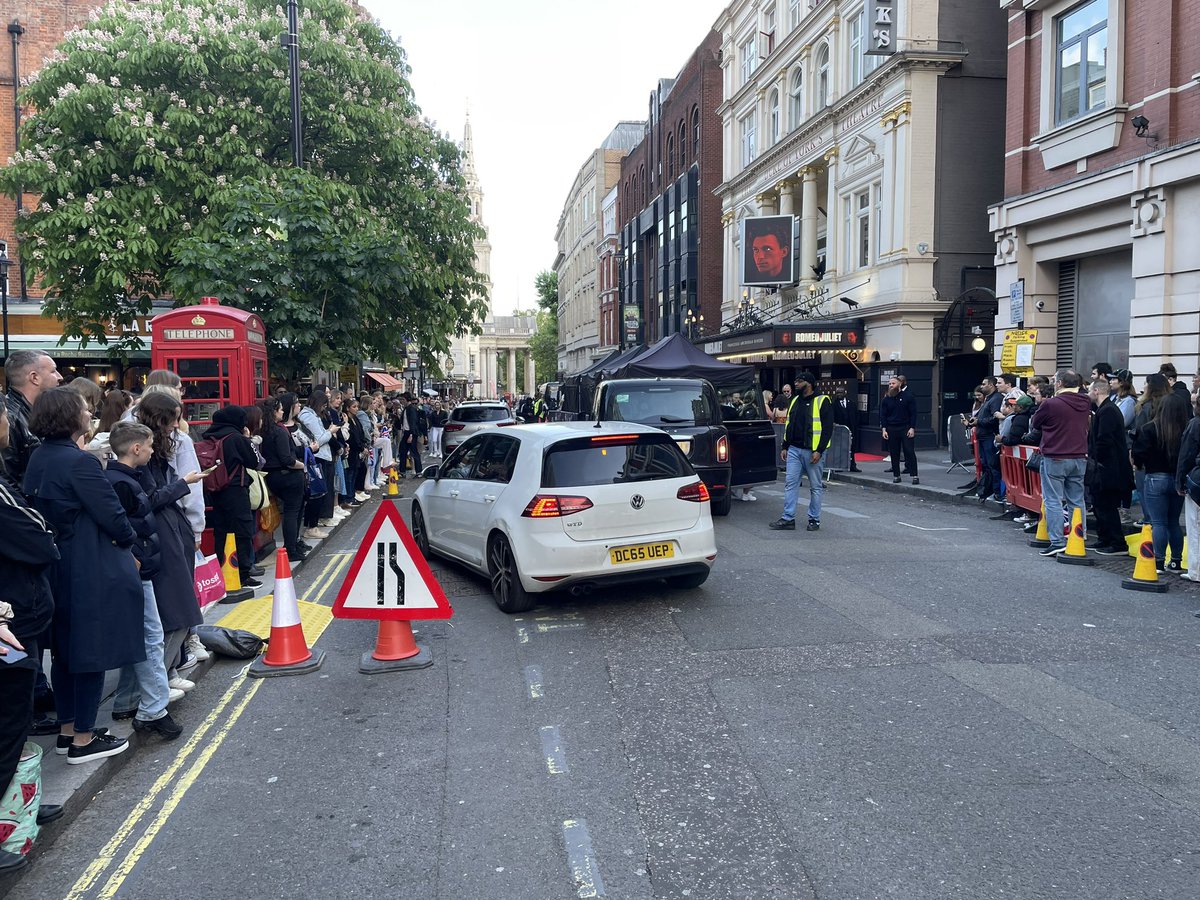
(567, 506)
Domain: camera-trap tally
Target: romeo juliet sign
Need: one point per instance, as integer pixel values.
(881, 20)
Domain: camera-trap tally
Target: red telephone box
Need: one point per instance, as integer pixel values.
(219, 352)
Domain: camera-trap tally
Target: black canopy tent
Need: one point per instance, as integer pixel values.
(676, 357)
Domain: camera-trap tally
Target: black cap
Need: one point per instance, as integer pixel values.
(807, 376)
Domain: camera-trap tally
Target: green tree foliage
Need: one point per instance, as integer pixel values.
(159, 144)
(544, 343)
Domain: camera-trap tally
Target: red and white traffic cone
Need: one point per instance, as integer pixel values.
(287, 651)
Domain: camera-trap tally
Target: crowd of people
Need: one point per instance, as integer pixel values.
(104, 498)
(1104, 447)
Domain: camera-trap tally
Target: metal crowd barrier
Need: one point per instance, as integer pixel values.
(837, 455)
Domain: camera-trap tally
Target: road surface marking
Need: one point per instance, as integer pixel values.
(176, 795)
(340, 561)
(522, 635)
(165, 780)
(843, 513)
(533, 678)
(552, 748)
(582, 859)
(546, 627)
(919, 528)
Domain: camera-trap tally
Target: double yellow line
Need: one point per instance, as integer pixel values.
(111, 851)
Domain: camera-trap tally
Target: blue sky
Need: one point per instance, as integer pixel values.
(545, 83)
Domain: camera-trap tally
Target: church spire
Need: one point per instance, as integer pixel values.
(468, 148)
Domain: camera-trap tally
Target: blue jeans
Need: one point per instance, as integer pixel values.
(1163, 506)
(989, 458)
(800, 464)
(1062, 487)
(143, 686)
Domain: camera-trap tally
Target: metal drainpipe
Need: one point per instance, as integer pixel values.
(15, 30)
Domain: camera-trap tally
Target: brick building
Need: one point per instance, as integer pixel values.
(579, 239)
(34, 29)
(669, 217)
(608, 275)
(1101, 213)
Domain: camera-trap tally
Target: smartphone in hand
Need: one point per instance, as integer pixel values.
(13, 655)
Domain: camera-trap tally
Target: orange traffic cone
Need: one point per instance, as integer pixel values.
(1145, 572)
(234, 592)
(1076, 552)
(1041, 540)
(287, 651)
(395, 650)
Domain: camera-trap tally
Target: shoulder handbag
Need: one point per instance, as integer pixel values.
(314, 475)
(259, 496)
(1034, 463)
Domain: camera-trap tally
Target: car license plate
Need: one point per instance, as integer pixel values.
(641, 553)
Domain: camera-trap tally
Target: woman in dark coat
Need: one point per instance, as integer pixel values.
(174, 582)
(97, 591)
(231, 512)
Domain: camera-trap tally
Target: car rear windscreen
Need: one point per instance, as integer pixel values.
(585, 461)
(480, 414)
(662, 404)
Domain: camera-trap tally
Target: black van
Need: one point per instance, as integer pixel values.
(726, 453)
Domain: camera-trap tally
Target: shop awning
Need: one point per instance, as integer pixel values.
(383, 379)
(72, 350)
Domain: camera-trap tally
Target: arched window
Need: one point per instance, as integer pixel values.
(796, 108)
(670, 155)
(773, 124)
(642, 179)
(823, 77)
(682, 146)
(695, 132)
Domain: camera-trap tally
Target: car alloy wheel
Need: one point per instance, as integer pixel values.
(419, 533)
(507, 590)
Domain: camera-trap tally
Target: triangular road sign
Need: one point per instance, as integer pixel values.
(389, 578)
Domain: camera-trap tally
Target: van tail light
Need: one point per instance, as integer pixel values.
(555, 506)
(450, 426)
(723, 449)
(697, 492)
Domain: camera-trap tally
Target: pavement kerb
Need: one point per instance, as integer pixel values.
(913, 490)
(100, 774)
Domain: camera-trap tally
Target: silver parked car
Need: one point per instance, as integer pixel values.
(472, 416)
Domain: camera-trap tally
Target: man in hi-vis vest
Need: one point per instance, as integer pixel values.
(806, 437)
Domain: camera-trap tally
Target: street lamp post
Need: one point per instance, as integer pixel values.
(5, 262)
(691, 321)
(291, 42)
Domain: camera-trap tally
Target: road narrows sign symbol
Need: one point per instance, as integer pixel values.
(389, 578)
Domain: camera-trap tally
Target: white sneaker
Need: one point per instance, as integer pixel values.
(181, 684)
(174, 694)
(339, 513)
(196, 647)
(374, 487)
(362, 497)
(750, 497)
(328, 523)
(316, 534)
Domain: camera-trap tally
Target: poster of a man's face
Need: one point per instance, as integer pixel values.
(767, 250)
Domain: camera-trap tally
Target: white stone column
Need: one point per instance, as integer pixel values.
(808, 223)
(512, 370)
(787, 197)
(766, 203)
(833, 213)
(729, 277)
(530, 374)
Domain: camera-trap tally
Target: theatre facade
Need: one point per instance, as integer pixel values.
(887, 163)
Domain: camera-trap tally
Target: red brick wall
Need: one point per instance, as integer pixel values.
(46, 22)
(1161, 51)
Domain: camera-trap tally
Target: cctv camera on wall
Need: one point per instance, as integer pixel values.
(1041, 305)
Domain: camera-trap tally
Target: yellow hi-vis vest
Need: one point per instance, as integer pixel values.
(818, 401)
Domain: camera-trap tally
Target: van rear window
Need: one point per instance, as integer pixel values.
(664, 404)
(580, 462)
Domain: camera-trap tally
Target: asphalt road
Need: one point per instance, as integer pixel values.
(909, 703)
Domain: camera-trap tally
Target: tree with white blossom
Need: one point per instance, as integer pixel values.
(158, 141)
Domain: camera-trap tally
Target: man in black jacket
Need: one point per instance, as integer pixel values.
(987, 427)
(28, 373)
(26, 608)
(845, 412)
(1177, 385)
(898, 421)
(1112, 473)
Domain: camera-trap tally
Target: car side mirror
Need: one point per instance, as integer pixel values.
(430, 472)
(520, 420)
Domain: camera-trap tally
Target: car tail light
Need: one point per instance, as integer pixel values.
(696, 492)
(723, 449)
(555, 506)
(452, 427)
